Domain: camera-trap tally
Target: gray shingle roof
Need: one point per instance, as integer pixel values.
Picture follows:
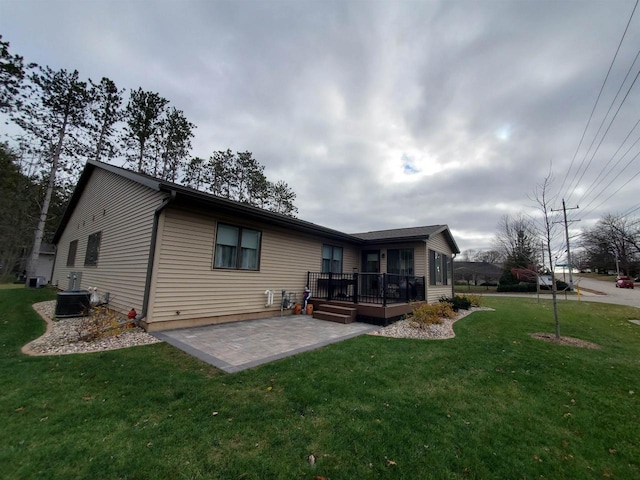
(408, 234)
(401, 233)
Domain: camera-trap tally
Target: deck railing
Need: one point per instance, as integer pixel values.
(377, 288)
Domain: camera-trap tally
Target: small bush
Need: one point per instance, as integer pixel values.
(101, 322)
(521, 288)
(458, 302)
(430, 314)
(474, 300)
(507, 278)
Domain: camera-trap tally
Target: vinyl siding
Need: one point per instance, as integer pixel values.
(123, 211)
(439, 244)
(187, 290)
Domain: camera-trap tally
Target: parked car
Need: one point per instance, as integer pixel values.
(624, 282)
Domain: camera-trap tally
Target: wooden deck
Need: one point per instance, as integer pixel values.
(375, 314)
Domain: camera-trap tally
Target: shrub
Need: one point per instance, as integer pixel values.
(430, 314)
(101, 322)
(474, 300)
(458, 302)
(507, 278)
(522, 287)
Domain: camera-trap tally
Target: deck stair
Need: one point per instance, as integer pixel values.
(335, 313)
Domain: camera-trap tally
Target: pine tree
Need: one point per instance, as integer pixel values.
(12, 76)
(106, 111)
(282, 199)
(143, 116)
(174, 139)
(53, 116)
(196, 174)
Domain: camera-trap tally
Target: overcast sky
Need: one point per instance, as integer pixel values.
(379, 114)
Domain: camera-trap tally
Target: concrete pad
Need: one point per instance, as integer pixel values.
(240, 345)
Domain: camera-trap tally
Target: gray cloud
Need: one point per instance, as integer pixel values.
(379, 114)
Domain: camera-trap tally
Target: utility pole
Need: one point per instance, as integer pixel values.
(566, 232)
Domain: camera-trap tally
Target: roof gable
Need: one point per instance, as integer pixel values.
(409, 234)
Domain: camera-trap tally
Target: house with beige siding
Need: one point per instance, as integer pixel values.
(183, 258)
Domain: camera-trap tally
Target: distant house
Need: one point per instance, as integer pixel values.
(44, 265)
(528, 275)
(182, 257)
(477, 273)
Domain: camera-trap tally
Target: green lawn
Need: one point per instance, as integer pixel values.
(597, 276)
(491, 403)
(462, 289)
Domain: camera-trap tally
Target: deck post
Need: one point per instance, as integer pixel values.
(330, 287)
(407, 290)
(355, 287)
(384, 289)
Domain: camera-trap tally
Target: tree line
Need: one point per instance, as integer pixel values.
(612, 244)
(63, 120)
(239, 176)
(531, 245)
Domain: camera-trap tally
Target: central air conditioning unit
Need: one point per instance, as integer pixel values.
(73, 303)
(37, 282)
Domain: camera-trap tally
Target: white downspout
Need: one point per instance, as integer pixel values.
(269, 294)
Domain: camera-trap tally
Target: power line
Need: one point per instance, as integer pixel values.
(598, 98)
(619, 188)
(633, 209)
(610, 182)
(602, 123)
(605, 134)
(590, 189)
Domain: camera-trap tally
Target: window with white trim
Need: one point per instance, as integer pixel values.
(439, 265)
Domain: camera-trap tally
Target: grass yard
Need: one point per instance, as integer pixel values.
(597, 276)
(490, 403)
(461, 289)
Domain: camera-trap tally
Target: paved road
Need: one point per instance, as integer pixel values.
(617, 296)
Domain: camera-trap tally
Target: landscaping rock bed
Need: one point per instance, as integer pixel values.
(404, 328)
(63, 337)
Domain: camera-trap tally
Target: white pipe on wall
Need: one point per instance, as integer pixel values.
(269, 294)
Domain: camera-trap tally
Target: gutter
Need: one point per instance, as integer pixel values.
(453, 280)
(53, 269)
(152, 252)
